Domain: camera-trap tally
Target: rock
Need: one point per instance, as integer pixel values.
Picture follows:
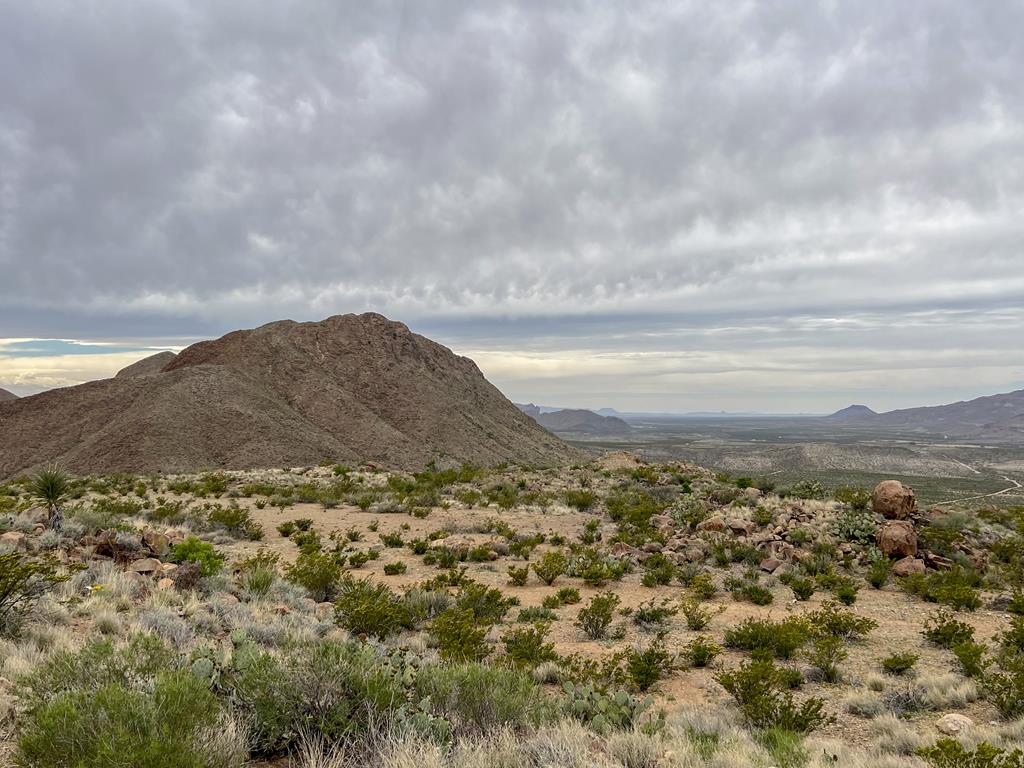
(770, 565)
(953, 724)
(146, 565)
(169, 567)
(938, 562)
(652, 547)
(741, 527)
(157, 543)
(14, 539)
(165, 583)
(693, 554)
(324, 610)
(897, 538)
(712, 524)
(282, 610)
(907, 567)
(620, 548)
(893, 500)
(662, 522)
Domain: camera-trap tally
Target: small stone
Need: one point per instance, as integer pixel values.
(953, 724)
(908, 566)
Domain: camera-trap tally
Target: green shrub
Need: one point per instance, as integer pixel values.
(802, 587)
(971, 657)
(652, 615)
(956, 588)
(488, 604)
(364, 607)
(646, 666)
(480, 698)
(826, 654)
(393, 539)
(879, 572)
(1003, 685)
(830, 619)
(845, 591)
(193, 550)
(117, 726)
(536, 614)
(568, 596)
(950, 753)
(703, 586)
(336, 689)
(395, 568)
(697, 617)
(898, 663)
(236, 521)
(526, 646)
(580, 499)
(459, 636)
(317, 572)
(944, 630)
(762, 637)
(23, 581)
(701, 651)
(595, 618)
(751, 591)
(757, 688)
(658, 571)
(550, 567)
(856, 498)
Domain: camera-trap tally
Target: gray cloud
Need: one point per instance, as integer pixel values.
(705, 179)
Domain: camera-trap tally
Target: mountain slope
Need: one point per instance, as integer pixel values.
(5, 395)
(583, 422)
(853, 412)
(350, 388)
(996, 417)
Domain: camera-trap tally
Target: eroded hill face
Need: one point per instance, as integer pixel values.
(5, 395)
(351, 388)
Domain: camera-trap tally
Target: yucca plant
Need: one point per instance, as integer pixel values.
(50, 486)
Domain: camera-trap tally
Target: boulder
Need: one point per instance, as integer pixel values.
(146, 565)
(893, 500)
(897, 538)
(712, 524)
(157, 543)
(324, 610)
(652, 547)
(907, 567)
(13, 539)
(770, 565)
(741, 527)
(953, 724)
(165, 583)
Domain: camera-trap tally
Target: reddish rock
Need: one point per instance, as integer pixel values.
(712, 524)
(157, 543)
(893, 500)
(165, 583)
(907, 567)
(897, 538)
(14, 539)
(770, 565)
(651, 547)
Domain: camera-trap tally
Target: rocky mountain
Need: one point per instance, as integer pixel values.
(351, 388)
(995, 417)
(147, 366)
(5, 395)
(577, 421)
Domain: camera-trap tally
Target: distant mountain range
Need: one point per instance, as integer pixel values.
(995, 417)
(577, 421)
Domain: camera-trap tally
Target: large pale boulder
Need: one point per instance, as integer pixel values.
(893, 499)
(146, 565)
(897, 538)
(953, 724)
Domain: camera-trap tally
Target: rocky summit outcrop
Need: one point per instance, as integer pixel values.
(893, 500)
(5, 395)
(147, 366)
(351, 388)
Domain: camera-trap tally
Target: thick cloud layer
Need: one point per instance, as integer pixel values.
(649, 205)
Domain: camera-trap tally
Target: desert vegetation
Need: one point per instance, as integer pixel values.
(614, 613)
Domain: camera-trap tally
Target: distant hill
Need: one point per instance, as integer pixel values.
(351, 388)
(994, 417)
(147, 366)
(5, 395)
(576, 421)
(853, 412)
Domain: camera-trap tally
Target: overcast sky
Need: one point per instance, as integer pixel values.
(779, 206)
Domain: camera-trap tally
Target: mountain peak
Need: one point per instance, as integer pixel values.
(853, 411)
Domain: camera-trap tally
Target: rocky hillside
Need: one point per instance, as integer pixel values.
(147, 366)
(351, 388)
(5, 395)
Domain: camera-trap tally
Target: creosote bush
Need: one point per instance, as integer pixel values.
(195, 550)
(23, 581)
(596, 617)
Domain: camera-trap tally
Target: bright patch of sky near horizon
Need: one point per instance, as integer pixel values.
(676, 206)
